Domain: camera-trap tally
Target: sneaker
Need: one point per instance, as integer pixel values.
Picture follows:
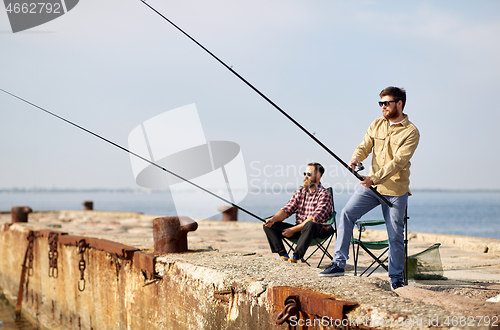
(293, 260)
(397, 284)
(332, 270)
(285, 257)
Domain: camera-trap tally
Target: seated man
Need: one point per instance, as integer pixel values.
(313, 204)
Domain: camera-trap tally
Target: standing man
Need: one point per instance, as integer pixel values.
(393, 140)
(314, 207)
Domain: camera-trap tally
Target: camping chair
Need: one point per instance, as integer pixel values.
(383, 246)
(321, 244)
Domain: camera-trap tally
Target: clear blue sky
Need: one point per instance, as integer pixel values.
(110, 65)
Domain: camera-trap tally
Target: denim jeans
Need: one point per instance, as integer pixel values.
(361, 202)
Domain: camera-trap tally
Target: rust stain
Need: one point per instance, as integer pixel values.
(312, 304)
(224, 295)
(144, 261)
(122, 251)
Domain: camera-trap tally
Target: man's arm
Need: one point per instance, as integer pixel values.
(361, 153)
(288, 232)
(367, 181)
(364, 149)
(278, 217)
(285, 212)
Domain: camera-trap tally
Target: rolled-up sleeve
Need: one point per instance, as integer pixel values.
(292, 204)
(365, 147)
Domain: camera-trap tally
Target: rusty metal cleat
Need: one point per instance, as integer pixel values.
(229, 213)
(20, 213)
(170, 234)
(88, 205)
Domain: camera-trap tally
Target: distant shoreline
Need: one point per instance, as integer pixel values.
(149, 191)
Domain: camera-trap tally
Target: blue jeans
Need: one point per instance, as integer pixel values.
(361, 202)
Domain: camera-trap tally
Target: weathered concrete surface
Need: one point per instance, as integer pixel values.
(225, 281)
(114, 296)
(466, 243)
(464, 258)
(466, 305)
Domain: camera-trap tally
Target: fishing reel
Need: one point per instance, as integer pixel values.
(359, 167)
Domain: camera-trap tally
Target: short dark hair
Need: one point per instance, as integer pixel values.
(396, 92)
(317, 167)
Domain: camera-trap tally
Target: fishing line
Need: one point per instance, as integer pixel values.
(133, 153)
(356, 174)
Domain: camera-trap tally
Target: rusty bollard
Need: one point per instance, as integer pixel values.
(170, 234)
(229, 213)
(20, 213)
(88, 205)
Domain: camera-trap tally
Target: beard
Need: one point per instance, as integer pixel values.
(308, 183)
(391, 114)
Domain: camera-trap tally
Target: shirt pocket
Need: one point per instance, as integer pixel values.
(378, 143)
(395, 144)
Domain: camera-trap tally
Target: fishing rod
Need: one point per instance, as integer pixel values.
(356, 174)
(136, 155)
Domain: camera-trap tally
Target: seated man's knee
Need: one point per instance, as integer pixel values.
(274, 231)
(267, 229)
(309, 226)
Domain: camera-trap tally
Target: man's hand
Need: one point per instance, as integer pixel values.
(280, 216)
(288, 232)
(269, 222)
(353, 163)
(367, 181)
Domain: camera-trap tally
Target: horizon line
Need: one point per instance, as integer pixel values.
(149, 190)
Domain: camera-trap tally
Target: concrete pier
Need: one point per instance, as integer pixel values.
(228, 279)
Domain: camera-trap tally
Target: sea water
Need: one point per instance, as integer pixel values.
(8, 321)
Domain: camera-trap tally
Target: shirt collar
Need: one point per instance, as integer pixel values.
(405, 122)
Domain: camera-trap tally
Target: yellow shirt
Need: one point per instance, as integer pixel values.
(393, 146)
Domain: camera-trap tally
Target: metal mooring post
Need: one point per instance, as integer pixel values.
(170, 234)
(20, 213)
(229, 213)
(88, 205)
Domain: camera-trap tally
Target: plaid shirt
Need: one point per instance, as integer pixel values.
(317, 205)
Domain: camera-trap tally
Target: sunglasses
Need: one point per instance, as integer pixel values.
(308, 174)
(386, 103)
